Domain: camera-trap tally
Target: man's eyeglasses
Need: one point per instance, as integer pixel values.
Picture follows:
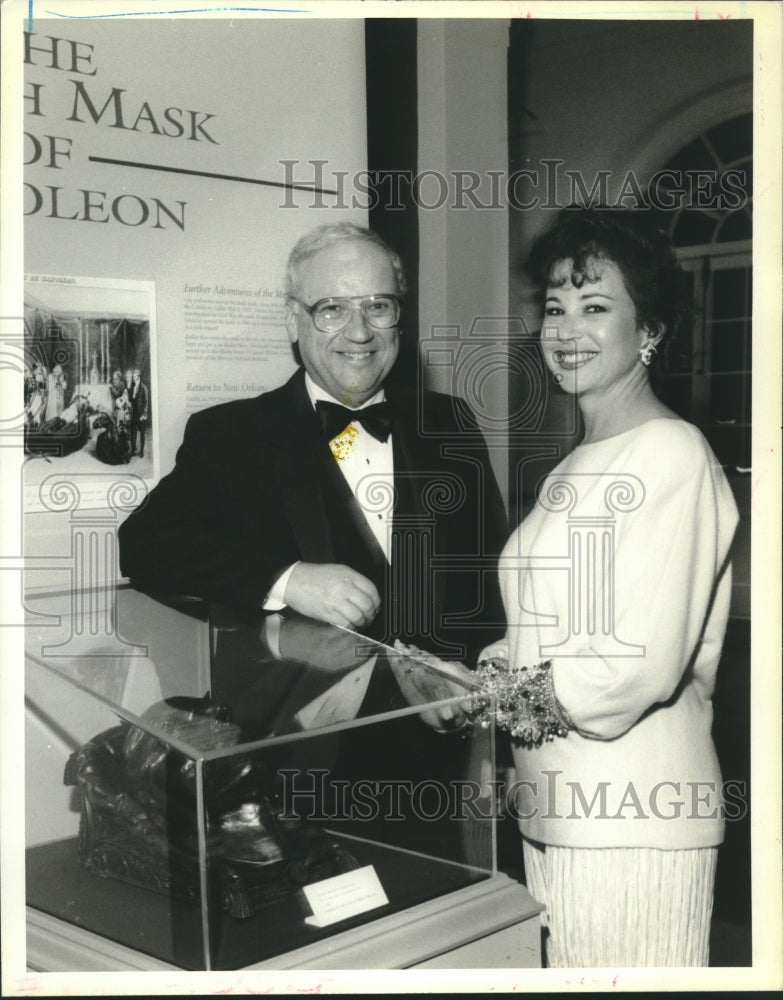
(332, 315)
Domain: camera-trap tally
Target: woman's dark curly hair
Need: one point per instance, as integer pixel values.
(628, 238)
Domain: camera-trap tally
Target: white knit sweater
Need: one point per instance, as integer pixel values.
(616, 577)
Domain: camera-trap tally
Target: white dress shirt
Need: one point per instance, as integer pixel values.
(368, 467)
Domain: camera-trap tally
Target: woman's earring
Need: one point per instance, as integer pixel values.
(647, 353)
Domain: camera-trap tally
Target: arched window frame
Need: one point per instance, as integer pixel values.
(703, 386)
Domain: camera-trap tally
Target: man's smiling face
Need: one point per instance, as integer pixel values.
(352, 364)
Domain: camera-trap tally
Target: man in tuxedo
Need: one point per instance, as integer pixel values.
(341, 495)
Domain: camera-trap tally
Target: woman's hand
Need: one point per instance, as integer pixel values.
(424, 678)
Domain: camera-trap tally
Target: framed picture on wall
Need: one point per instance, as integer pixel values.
(90, 388)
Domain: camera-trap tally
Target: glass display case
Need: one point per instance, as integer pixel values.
(214, 789)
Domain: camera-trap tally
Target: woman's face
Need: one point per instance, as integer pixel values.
(589, 338)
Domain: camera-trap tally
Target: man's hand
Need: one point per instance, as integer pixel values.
(330, 592)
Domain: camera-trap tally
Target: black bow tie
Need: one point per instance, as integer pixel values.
(375, 419)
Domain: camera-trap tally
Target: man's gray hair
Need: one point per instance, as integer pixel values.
(329, 235)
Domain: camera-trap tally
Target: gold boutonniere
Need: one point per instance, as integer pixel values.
(342, 444)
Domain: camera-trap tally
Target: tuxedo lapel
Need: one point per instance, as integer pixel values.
(416, 593)
(289, 428)
(320, 506)
(357, 541)
(416, 462)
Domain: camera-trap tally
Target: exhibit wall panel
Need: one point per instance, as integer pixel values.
(177, 160)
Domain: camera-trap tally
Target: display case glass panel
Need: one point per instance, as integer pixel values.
(215, 788)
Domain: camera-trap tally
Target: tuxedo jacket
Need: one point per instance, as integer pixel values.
(255, 488)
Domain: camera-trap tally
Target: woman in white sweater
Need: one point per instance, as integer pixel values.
(616, 589)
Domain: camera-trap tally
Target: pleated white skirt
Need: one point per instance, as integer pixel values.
(623, 907)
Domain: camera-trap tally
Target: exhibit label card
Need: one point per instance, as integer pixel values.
(344, 896)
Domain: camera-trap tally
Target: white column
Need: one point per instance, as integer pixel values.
(464, 265)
